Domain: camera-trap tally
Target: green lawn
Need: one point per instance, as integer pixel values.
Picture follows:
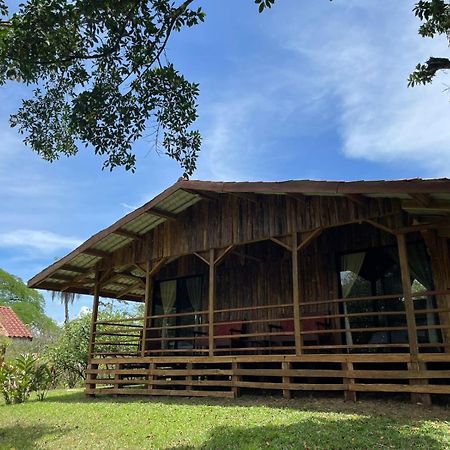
(67, 419)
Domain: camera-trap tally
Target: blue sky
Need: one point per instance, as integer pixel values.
(311, 89)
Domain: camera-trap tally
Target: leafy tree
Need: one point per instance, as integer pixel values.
(66, 299)
(435, 17)
(27, 303)
(101, 76)
(70, 354)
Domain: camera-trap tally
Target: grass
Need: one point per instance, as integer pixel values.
(67, 419)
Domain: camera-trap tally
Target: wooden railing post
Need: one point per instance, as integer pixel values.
(407, 294)
(147, 307)
(211, 301)
(296, 296)
(413, 366)
(90, 379)
(94, 314)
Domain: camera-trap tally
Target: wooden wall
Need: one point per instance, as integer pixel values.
(232, 220)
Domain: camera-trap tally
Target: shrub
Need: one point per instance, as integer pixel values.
(70, 354)
(23, 375)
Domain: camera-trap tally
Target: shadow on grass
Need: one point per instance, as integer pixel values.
(317, 433)
(320, 402)
(18, 436)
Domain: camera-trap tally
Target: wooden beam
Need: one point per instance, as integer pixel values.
(211, 301)
(71, 268)
(58, 276)
(380, 226)
(306, 242)
(127, 234)
(158, 266)
(128, 289)
(198, 255)
(436, 206)
(359, 199)
(279, 242)
(147, 307)
(77, 280)
(161, 213)
(407, 294)
(220, 258)
(94, 314)
(422, 199)
(205, 195)
(296, 296)
(96, 252)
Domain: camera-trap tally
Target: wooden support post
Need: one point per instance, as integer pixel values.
(414, 368)
(407, 294)
(189, 377)
(211, 301)
(147, 308)
(150, 376)
(410, 318)
(90, 379)
(287, 393)
(349, 395)
(296, 296)
(235, 366)
(117, 377)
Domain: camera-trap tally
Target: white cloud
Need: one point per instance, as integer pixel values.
(43, 241)
(364, 62)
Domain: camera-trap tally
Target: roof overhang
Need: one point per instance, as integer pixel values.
(75, 271)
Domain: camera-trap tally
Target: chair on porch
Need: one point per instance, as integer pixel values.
(226, 340)
(288, 327)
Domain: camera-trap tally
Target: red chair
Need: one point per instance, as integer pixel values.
(287, 327)
(227, 333)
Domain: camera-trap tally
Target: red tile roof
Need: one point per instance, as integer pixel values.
(11, 326)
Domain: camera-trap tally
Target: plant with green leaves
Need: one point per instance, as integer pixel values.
(23, 375)
(70, 354)
(43, 379)
(17, 378)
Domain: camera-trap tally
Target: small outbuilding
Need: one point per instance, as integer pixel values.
(11, 326)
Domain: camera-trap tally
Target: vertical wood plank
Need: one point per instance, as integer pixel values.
(94, 314)
(407, 294)
(94, 318)
(349, 395)
(287, 394)
(415, 367)
(150, 376)
(296, 296)
(235, 378)
(147, 308)
(211, 301)
(189, 377)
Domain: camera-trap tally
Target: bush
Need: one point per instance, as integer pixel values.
(20, 377)
(70, 354)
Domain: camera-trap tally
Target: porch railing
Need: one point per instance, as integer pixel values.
(269, 329)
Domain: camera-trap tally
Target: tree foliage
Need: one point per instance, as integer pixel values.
(102, 79)
(435, 17)
(27, 303)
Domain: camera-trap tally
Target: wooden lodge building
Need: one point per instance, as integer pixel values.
(271, 286)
